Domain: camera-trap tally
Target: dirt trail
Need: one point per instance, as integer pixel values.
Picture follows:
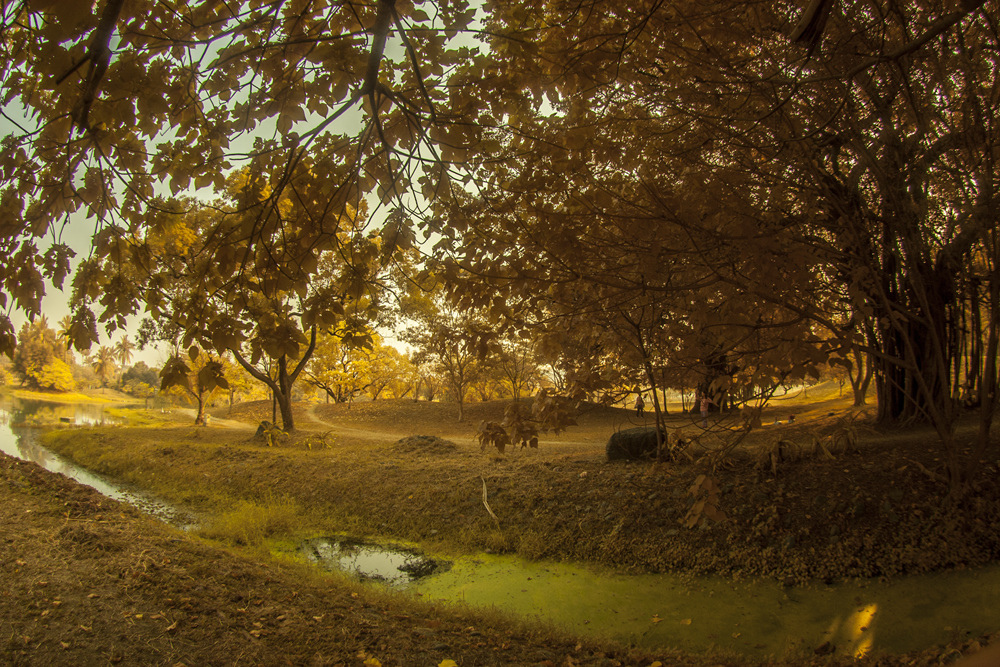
(340, 429)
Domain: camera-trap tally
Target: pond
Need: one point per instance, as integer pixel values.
(757, 618)
(395, 566)
(19, 422)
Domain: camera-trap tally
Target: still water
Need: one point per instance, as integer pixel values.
(19, 420)
(757, 618)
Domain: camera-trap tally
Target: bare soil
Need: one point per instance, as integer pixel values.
(88, 581)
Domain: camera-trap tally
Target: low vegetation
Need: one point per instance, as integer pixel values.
(821, 498)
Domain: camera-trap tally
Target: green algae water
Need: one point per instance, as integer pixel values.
(754, 618)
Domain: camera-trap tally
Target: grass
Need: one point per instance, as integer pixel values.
(346, 471)
(252, 523)
(54, 397)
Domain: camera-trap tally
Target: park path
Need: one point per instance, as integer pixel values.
(340, 429)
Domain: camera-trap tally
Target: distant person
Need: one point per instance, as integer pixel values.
(703, 403)
(639, 405)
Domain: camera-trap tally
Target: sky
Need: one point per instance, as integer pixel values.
(80, 230)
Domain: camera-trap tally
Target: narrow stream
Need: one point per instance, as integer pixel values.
(695, 614)
(18, 438)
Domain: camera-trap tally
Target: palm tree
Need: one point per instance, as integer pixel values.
(65, 324)
(104, 363)
(123, 353)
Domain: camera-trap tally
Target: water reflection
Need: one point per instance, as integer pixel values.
(15, 412)
(371, 562)
(19, 420)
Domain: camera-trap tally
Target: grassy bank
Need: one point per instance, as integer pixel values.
(866, 511)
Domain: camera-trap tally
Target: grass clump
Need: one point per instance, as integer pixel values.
(250, 523)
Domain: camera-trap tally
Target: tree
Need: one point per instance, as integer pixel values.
(519, 365)
(177, 107)
(715, 159)
(335, 368)
(104, 364)
(267, 319)
(123, 353)
(839, 182)
(385, 368)
(452, 343)
(198, 380)
(39, 358)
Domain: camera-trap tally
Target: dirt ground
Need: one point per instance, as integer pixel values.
(88, 581)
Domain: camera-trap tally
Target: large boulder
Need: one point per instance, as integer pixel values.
(633, 443)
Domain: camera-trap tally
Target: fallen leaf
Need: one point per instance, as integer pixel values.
(686, 621)
(656, 618)
(448, 663)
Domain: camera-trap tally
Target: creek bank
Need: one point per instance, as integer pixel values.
(553, 505)
(20, 439)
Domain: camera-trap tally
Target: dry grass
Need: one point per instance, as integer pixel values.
(864, 512)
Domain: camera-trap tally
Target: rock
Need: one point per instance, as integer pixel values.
(262, 430)
(633, 443)
(826, 648)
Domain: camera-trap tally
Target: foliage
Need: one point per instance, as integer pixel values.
(40, 359)
(346, 366)
(123, 353)
(103, 363)
(54, 376)
(668, 195)
(521, 424)
(198, 380)
(453, 343)
(140, 373)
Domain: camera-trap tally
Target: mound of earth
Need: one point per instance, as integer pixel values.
(424, 444)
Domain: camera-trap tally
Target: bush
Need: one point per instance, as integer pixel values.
(250, 523)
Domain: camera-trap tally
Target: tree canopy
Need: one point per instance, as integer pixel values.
(680, 185)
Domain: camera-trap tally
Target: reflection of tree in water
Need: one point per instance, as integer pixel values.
(29, 412)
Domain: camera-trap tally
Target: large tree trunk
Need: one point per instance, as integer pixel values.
(281, 387)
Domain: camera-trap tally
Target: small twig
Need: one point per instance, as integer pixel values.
(935, 477)
(487, 504)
